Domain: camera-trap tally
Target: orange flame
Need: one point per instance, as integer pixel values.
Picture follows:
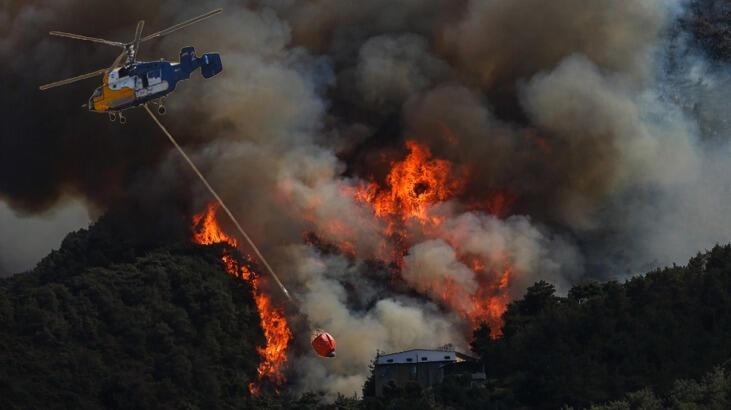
(413, 186)
(207, 231)
(490, 302)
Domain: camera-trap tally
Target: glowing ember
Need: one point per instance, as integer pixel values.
(207, 231)
(412, 188)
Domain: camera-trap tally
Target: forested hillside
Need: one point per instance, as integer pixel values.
(605, 340)
(103, 324)
(657, 341)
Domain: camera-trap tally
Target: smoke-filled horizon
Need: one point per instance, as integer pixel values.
(567, 141)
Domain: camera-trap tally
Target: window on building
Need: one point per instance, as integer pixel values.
(390, 360)
(423, 359)
(447, 357)
(408, 359)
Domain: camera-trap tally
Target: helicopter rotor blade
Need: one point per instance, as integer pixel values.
(181, 25)
(73, 79)
(118, 61)
(86, 38)
(137, 40)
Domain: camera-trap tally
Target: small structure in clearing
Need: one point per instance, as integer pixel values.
(427, 367)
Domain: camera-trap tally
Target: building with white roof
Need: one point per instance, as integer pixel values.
(426, 367)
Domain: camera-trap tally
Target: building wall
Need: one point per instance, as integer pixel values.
(425, 374)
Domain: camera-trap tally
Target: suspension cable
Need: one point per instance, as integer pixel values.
(223, 205)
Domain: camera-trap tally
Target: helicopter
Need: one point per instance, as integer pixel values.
(129, 82)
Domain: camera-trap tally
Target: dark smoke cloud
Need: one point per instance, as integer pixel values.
(500, 41)
(51, 147)
(615, 160)
(392, 68)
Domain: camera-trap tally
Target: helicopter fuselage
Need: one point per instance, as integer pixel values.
(138, 83)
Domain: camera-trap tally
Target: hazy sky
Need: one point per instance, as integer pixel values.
(24, 240)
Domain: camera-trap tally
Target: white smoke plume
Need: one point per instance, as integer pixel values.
(391, 323)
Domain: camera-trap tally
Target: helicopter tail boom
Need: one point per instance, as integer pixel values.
(209, 63)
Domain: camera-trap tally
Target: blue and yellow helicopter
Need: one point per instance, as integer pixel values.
(129, 83)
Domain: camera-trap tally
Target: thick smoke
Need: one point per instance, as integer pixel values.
(534, 254)
(606, 159)
(604, 127)
(390, 69)
(501, 41)
(388, 322)
(430, 264)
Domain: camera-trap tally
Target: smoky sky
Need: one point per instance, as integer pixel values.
(25, 239)
(605, 122)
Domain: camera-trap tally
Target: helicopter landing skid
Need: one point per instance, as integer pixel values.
(113, 115)
(160, 103)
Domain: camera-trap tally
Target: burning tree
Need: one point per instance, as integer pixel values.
(207, 231)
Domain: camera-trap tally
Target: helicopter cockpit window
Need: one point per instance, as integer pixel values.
(97, 92)
(123, 72)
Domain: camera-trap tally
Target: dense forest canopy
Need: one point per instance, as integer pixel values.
(659, 340)
(604, 340)
(99, 324)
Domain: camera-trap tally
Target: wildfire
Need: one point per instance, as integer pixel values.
(413, 185)
(411, 189)
(491, 299)
(207, 231)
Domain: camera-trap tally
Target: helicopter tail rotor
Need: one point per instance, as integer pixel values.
(211, 64)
